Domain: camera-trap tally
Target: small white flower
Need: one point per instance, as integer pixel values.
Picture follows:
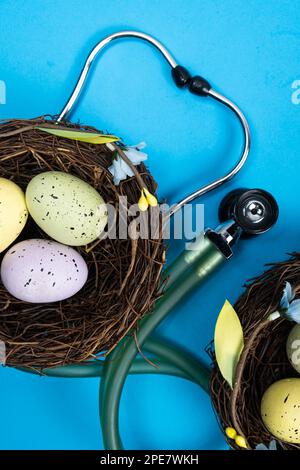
(120, 170)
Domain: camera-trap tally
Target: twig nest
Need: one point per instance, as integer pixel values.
(266, 363)
(123, 274)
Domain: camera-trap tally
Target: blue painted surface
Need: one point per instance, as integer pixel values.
(249, 51)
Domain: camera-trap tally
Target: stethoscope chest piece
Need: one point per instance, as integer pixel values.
(254, 210)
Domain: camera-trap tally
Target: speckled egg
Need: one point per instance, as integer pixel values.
(40, 271)
(66, 208)
(280, 410)
(13, 212)
(293, 347)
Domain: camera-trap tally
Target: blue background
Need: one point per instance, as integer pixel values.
(250, 52)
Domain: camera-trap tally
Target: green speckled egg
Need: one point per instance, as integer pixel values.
(280, 410)
(66, 208)
(293, 347)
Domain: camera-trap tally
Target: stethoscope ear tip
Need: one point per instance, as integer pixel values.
(255, 211)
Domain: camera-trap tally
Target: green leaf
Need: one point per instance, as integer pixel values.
(90, 137)
(229, 342)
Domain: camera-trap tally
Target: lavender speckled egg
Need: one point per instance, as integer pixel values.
(42, 271)
(68, 209)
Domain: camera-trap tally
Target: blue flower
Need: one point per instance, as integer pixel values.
(272, 446)
(293, 311)
(119, 168)
(288, 307)
(287, 296)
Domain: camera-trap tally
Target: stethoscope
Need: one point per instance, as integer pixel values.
(242, 213)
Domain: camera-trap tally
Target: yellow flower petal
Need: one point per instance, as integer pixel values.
(152, 201)
(229, 342)
(143, 203)
(241, 442)
(231, 433)
(83, 136)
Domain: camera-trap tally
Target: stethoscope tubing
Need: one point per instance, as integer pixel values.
(118, 363)
(160, 364)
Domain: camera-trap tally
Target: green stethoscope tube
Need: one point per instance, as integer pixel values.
(186, 259)
(189, 365)
(117, 365)
(162, 361)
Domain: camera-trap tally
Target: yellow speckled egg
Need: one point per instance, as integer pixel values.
(13, 212)
(280, 410)
(293, 347)
(68, 209)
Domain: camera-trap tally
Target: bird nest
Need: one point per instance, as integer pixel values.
(124, 274)
(265, 360)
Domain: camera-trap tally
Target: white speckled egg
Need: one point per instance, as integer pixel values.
(13, 212)
(68, 209)
(280, 410)
(40, 271)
